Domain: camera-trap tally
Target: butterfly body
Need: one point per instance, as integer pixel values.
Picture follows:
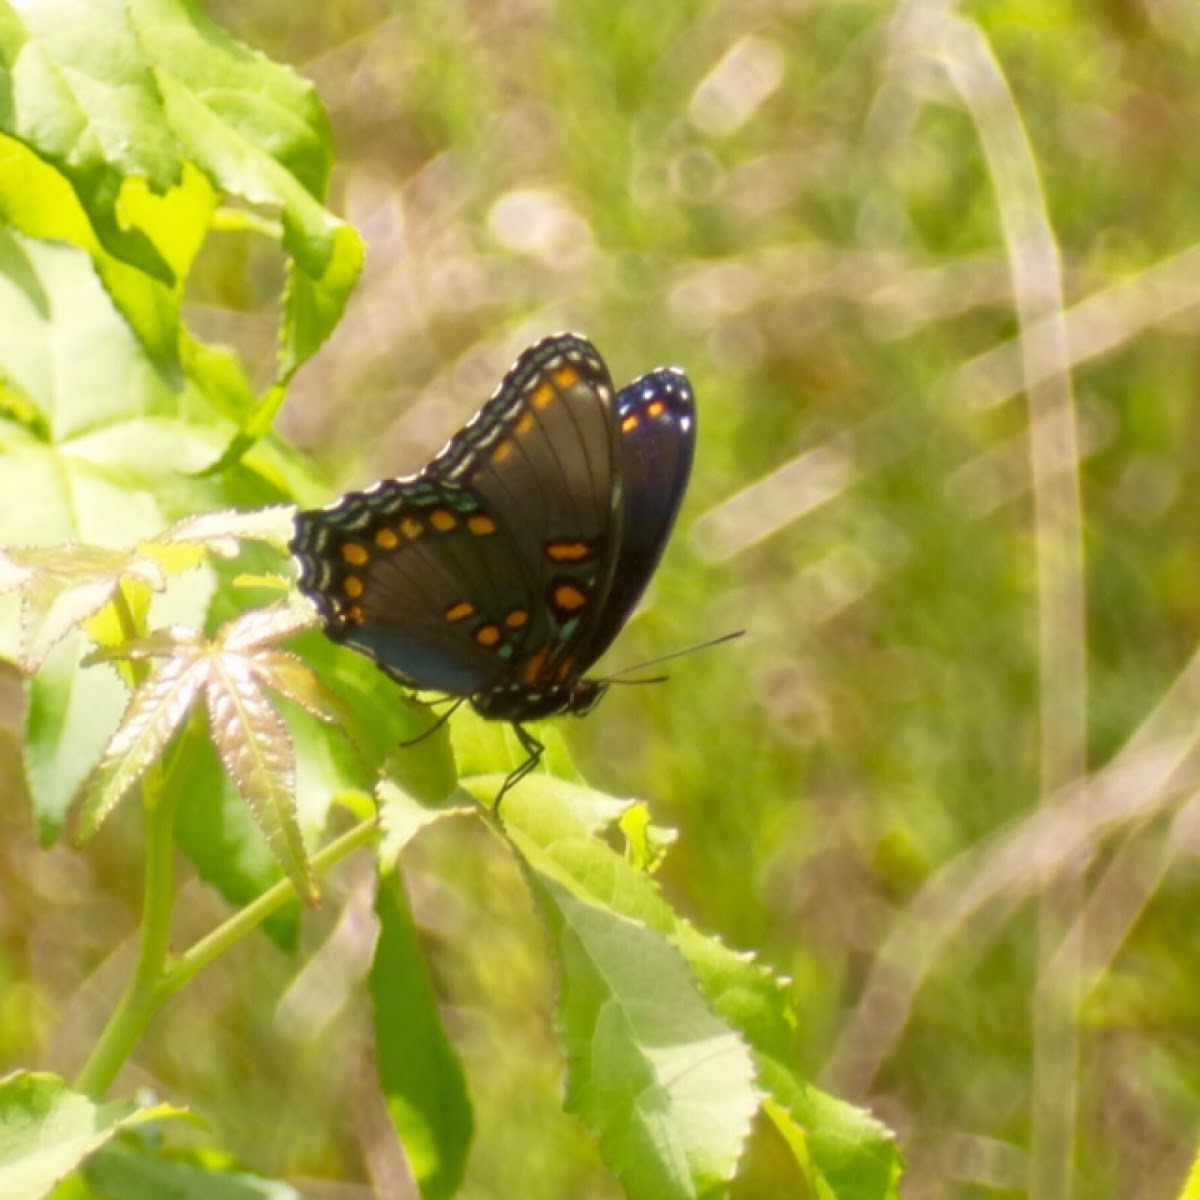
(503, 570)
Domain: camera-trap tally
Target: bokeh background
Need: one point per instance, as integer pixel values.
(801, 202)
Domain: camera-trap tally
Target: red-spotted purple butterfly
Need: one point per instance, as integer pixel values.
(503, 570)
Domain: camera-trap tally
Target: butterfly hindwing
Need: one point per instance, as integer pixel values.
(656, 441)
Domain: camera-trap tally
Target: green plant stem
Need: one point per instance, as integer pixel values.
(255, 913)
(139, 1002)
(153, 981)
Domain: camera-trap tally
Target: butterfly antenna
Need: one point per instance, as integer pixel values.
(615, 677)
(435, 726)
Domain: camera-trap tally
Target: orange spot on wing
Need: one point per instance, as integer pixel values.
(531, 669)
(541, 395)
(568, 551)
(569, 598)
(442, 520)
(460, 611)
(629, 424)
(355, 614)
(564, 669)
(480, 525)
(517, 619)
(502, 451)
(352, 586)
(566, 376)
(388, 539)
(411, 527)
(355, 554)
(488, 635)
(657, 408)
(525, 423)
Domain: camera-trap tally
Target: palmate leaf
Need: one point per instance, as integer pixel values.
(251, 739)
(129, 120)
(256, 749)
(156, 710)
(62, 586)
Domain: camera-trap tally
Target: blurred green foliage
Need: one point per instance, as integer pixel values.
(790, 201)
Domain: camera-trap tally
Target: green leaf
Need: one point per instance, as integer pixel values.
(106, 412)
(123, 1172)
(79, 93)
(665, 1084)
(47, 1130)
(128, 122)
(846, 1151)
(414, 791)
(420, 1072)
(70, 715)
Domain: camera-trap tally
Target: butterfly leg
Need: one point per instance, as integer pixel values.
(413, 741)
(534, 749)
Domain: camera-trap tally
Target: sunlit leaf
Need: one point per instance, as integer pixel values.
(47, 1130)
(223, 531)
(254, 745)
(114, 103)
(259, 626)
(666, 1085)
(69, 717)
(61, 586)
(156, 710)
(292, 677)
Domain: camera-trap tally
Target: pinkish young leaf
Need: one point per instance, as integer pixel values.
(158, 643)
(261, 626)
(221, 531)
(64, 585)
(256, 750)
(293, 678)
(156, 709)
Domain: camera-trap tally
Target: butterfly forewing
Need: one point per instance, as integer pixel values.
(390, 569)
(541, 454)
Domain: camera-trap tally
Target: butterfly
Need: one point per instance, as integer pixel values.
(502, 571)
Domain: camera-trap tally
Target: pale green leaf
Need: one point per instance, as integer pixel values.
(666, 1086)
(69, 717)
(47, 1130)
